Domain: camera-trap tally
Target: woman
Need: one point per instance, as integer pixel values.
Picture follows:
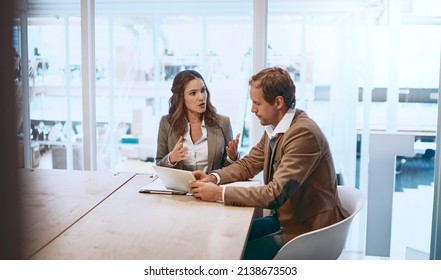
(193, 136)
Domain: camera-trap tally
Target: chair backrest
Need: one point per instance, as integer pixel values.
(326, 243)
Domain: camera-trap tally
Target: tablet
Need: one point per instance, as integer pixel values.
(175, 179)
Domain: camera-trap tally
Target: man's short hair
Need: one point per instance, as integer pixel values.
(275, 81)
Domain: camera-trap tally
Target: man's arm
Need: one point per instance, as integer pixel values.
(294, 161)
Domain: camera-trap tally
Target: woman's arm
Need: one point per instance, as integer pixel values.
(162, 150)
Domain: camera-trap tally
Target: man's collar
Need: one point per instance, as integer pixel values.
(282, 126)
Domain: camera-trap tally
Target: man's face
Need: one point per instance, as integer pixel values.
(265, 112)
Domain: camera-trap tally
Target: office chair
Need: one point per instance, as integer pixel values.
(326, 243)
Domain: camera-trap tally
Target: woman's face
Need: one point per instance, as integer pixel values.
(195, 96)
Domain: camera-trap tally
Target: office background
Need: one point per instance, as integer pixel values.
(99, 77)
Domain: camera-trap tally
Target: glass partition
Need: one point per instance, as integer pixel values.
(140, 47)
(55, 92)
(141, 54)
(366, 69)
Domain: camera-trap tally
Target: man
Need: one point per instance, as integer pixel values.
(300, 182)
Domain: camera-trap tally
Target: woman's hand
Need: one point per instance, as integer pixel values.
(232, 148)
(179, 152)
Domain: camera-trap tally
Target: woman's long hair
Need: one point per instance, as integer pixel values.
(176, 111)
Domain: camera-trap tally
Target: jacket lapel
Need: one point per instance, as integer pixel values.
(266, 161)
(272, 154)
(212, 135)
(269, 156)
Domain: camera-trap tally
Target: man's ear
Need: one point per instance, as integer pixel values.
(279, 102)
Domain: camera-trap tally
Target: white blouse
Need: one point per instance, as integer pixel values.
(197, 152)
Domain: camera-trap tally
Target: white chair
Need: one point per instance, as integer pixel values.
(325, 243)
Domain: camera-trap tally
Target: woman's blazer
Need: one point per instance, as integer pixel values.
(217, 137)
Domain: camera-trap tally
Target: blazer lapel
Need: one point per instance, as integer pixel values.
(212, 135)
(269, 156)
(266, 161)
(273, 152)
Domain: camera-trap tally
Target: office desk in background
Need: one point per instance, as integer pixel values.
(53, 200)
(131, 225)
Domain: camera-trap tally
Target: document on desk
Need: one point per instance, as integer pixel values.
(158, 187)
(245, 184)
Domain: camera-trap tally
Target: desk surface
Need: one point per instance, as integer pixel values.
(132, 225)
(53, 200)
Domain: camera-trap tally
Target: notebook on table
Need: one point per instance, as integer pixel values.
(169, 181)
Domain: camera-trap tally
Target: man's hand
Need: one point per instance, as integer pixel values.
(206, 191)
(179, 152)
(201, 176)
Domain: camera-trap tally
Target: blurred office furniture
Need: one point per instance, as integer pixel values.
(59, 157)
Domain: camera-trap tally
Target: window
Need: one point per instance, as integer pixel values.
(362, 69)
(139, 50)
